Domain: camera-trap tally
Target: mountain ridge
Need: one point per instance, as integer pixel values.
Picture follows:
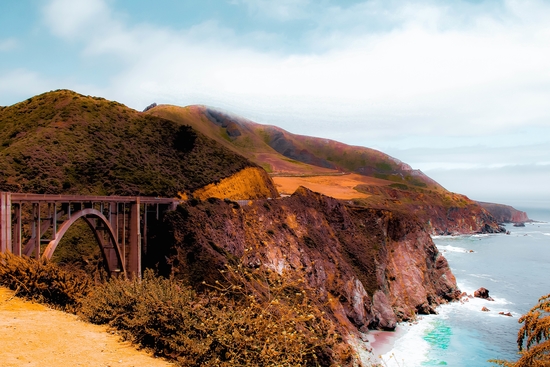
(369, 263)
(65, 142)
(284, 154)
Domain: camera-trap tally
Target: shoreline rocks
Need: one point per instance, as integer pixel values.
(483, 293)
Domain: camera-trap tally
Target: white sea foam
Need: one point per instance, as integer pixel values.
(480, 301)
(452, 248)
(411, 349)
(414, 350)
(480, 235)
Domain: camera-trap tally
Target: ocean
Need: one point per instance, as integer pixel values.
(514, 268)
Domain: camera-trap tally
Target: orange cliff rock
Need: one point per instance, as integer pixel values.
(247, 184)
(505, 213)
(442, 212)
(368, 268)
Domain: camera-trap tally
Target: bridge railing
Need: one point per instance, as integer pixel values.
(119, 224)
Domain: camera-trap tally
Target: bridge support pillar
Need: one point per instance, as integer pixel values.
(113, 219)
(17, 230)
(134, 255)
(5, 222)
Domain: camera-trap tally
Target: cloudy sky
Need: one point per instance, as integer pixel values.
(459, 89)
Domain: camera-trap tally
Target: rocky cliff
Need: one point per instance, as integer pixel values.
(249, 183)
(505, 213)
(441, 211)
(368, 268)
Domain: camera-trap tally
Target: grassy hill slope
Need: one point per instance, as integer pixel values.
(283, 153)
(64, 142)
(321, 163)
(240, 135)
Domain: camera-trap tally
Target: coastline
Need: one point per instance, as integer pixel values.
(383, 342)
(462, 334)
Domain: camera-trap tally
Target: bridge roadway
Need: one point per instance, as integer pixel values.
(119, 224)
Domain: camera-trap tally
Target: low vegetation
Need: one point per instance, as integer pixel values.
(64, 142)
(44, 282)
(252, 318)
(533, 337)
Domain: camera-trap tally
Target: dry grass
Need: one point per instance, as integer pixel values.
(339, 187)
(43, 282)
(256, 319)
(533, 337)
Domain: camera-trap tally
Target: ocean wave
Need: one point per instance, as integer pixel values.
(480, 302)
(452, 248)
(450, 237)
(411, 349)
(480, 235)
(484, 276)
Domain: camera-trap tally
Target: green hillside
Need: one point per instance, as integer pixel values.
(64, 142)
(284, 153)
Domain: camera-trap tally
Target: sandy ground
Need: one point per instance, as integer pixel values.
(383, 342)
(34, 335)
(339, 187)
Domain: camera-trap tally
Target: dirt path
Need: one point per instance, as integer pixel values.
(34, 335)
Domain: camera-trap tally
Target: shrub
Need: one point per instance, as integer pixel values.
(533, 337)
(256, 319)
(43, 282)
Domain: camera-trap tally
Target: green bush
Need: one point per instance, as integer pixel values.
(253, 320)
(43, 282)
(533, 337)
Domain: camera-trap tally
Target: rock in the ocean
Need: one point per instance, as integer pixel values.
(485, 309)
(505, 313)
(483, 293)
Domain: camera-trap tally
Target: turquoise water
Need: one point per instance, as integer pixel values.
(514, 268)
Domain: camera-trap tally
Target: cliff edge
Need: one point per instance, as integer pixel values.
(505, 213)
(248, 184)
(369, 268)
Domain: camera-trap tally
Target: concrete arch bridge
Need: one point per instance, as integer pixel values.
(34, 224)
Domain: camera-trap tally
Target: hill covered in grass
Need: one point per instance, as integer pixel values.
(283, 153)
(367, 176)
(64, 142)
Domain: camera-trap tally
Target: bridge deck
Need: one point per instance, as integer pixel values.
(21, 197)
(119, 224)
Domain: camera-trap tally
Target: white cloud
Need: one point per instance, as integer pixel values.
(477, 156)
(69, 19)
(419, 78)
(8, 44)
(21, 82)
(435, 72)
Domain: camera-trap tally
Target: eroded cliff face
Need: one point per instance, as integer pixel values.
(441, 211)
(505, 213)
(247, 184)
(368, 268)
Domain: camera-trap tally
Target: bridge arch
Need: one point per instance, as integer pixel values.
(88, 215)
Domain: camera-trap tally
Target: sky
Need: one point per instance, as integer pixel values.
(459, 89)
